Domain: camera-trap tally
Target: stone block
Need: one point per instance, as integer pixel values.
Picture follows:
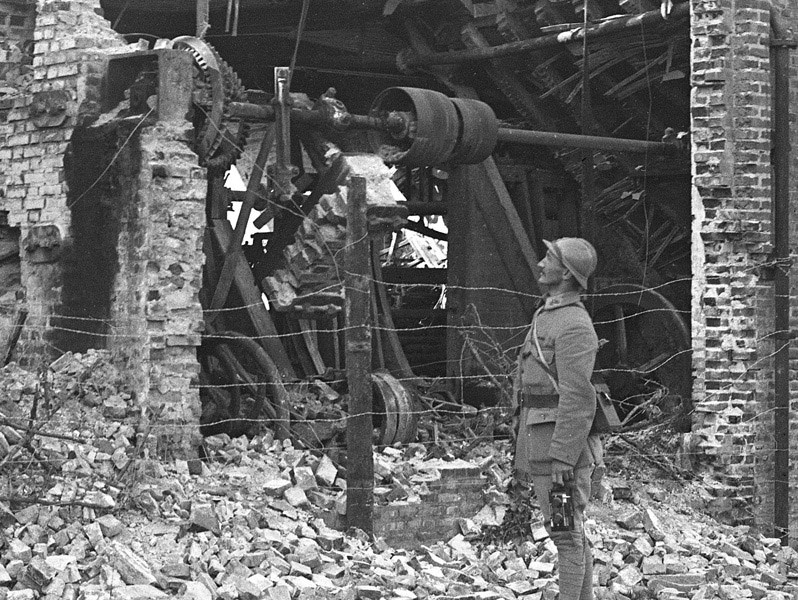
(687, 582)
(131, 567)
(203, 517)
(138, 592)
(296, 496)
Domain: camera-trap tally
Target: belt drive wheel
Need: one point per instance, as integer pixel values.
(395, 410)
(217, 85)
(430, 134)
(479, 130)
(243, 376)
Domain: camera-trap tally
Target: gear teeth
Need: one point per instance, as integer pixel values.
(227, 144)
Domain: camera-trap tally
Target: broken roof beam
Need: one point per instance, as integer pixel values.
(648, 19)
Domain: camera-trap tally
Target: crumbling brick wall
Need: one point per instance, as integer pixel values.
(17, 20)
(111, 220)
(172, 187)
(67, 66)
(732, 247)
(455, 495)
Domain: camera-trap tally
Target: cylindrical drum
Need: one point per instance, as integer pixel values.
(478, 131)
(432, 127)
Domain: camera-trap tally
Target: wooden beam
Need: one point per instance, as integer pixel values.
(359, 426)
(251, 296)
(516, 231)
(203, 17)
(234, 247)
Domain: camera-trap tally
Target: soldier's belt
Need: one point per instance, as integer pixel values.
(528, 400)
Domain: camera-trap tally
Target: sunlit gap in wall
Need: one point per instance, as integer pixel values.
(233, 181)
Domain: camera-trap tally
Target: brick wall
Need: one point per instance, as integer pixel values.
(16, 39)
(789, 15)
(172, 189)
(456, 495)
(68, 62)
(732, 251)
(111, 215)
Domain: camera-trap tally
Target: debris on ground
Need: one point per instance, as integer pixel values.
(87, 514)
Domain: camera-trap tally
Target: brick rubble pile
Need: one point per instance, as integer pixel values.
(88, 513)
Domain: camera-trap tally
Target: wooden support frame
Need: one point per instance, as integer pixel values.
(359, 428)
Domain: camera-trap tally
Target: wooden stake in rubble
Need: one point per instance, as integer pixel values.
(360, 462)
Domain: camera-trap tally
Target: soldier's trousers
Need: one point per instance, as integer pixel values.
(573, 548)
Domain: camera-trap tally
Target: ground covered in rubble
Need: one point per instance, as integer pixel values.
(88, 512)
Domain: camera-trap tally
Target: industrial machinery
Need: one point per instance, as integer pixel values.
(452, 156)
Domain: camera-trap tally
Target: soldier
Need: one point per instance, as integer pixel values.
(557, 402)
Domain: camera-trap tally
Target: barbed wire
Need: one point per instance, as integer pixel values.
(433, 412)
(766, 451)
(144, 335)
(336, 254)
(588, 296)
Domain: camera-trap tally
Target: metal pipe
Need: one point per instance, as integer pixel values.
(605, 28)
(572, 140)
(780, 46)
(265, 112)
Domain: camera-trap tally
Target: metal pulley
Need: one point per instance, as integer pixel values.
(479, 130)
(429, 131)
(394, 410)
(425, 127)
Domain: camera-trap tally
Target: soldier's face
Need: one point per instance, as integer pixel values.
(552, 271)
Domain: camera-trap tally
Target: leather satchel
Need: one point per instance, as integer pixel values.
(606, 419)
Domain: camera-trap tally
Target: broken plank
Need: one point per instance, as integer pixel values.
(257, 312)
(312, 343)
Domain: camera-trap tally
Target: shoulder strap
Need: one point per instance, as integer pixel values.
(544, 365)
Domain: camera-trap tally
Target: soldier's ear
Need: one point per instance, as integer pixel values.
(568, 277)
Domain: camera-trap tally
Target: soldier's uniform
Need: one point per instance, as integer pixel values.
(555, 424)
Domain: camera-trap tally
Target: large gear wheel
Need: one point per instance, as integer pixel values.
(218, 143)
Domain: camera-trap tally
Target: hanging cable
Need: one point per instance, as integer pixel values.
(588, 212)
(236, 8)
(120, 15)
(300, 30)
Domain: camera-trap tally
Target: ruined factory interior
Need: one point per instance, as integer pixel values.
(177, 183)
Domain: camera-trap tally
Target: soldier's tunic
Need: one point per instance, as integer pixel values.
(555, 425)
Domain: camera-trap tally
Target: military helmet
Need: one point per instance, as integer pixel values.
(577, 255)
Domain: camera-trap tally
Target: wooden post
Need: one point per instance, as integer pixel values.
(175, 85)
(360, 462)
(203, 17)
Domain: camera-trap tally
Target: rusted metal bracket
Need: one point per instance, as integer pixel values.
(784, 43)
(49, 109)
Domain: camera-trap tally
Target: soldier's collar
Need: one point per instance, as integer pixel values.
(564, 299)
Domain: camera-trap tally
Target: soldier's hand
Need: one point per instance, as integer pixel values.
(561, 473)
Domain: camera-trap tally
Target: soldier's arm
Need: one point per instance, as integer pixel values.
(574, 354)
